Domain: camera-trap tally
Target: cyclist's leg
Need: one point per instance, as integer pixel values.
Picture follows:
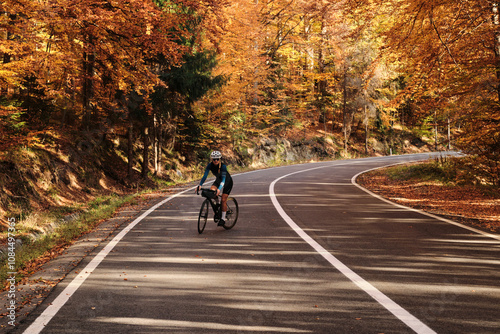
(224, 202)
(214, 188)
(225, 194)
(216, 184)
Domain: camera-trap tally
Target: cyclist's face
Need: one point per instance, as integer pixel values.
(216, 161)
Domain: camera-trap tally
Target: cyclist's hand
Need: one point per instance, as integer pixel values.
(218, 191)
(198, 189)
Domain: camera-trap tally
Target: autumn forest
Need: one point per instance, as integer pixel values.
(190, 75)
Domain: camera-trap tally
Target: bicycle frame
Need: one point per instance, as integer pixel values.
(232, 212)
(215, 206)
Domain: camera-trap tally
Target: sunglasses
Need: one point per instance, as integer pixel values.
(215, 159)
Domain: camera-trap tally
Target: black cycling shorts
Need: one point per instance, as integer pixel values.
(228, 186)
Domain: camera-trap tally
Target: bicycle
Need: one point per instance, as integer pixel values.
(231, 214)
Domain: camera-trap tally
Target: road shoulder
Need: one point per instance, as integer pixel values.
(465, 205)
(33, 290)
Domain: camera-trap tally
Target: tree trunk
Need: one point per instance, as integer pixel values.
(308, 64)
(496, 22)
(130, 152)
(344, 111)
(155, 144)
(160, 144)
(174, 135)
(366, 132)
(322, 84)
(6, 57)
(145, 151)
(256, 72)
(435, 131)
(449, 135)
(88, 72)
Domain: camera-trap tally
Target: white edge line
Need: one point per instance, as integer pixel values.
(403, 315)
(353, 181)
(43, 319)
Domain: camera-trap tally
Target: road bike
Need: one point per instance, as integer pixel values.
(231, 214)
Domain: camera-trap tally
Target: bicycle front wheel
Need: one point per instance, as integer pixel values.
(202, 218)
(232, 213)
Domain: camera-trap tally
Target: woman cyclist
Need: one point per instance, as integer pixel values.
(223, 181)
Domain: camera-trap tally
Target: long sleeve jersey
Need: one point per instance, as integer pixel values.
(220, 172)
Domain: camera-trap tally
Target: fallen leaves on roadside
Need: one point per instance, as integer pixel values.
(466, 204)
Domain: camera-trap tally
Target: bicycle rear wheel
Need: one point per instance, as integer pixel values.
(232, 213)
(202, 218)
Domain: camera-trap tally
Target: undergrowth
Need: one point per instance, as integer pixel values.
(431, 171)
(64, 235)
(450, 171)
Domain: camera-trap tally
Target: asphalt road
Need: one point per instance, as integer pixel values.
(310, 253)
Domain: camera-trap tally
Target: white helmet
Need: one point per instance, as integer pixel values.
(216, 155)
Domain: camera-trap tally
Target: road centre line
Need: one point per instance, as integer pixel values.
(403, 315)
(43, 319)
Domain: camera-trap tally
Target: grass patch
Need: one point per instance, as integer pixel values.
(429, 171)
(64, 235)
(450, 171)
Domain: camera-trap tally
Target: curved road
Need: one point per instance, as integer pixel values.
(311, 253)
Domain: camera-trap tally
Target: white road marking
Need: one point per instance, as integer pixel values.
(38, 325)
(486, 234)
(403, 315)
(43, 319)
(164, 324)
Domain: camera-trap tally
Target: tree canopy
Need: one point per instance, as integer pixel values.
(191, 74)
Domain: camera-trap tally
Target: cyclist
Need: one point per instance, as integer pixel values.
(223, 181)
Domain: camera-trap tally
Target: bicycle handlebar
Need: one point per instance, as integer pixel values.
(205, 192)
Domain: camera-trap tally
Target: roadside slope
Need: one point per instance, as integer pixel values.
(471, 205)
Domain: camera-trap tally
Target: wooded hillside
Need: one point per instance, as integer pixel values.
(181, 77)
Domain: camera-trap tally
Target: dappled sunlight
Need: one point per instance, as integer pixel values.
(177, 324)
(310, 184)
(460, 202)
(294, 195)
(262, 277)
(396, 250)
(188, 216)
(197, 259)
(252, 196)
(256, 293)
(239, 273)
(485, 240)
(464, 260)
